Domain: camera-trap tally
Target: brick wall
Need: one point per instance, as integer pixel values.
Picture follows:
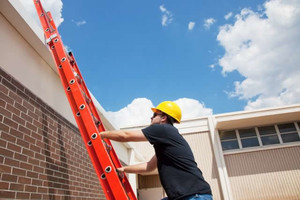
(42, 155)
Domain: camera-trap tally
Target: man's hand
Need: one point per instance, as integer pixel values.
(121, 169)
(121, 172)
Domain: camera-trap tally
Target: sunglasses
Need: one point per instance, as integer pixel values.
(157, 114)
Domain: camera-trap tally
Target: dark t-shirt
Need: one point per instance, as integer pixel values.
(178, 171)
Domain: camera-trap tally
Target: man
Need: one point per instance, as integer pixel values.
(178, 171)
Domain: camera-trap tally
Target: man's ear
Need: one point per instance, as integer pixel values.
(164, 118)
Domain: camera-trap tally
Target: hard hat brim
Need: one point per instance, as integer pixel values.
(154, 109)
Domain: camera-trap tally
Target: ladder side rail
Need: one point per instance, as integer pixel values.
(55, 36)
(88, 124)
(76, 113)
(80, 123)
(108, 144)
(96, 115)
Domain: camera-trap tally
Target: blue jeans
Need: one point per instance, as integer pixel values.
(196, 197)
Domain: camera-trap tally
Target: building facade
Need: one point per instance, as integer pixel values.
(243, 155)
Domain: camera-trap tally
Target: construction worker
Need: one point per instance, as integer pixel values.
(178, 171)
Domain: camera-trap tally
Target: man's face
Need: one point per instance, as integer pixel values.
(157, 117)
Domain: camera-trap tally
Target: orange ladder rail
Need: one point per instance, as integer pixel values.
(101, 152)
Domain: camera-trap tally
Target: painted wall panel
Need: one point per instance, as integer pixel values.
(269, 174)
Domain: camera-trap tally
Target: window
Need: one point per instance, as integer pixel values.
(260, 136)
(268, 135)
(288, 132)
(248, 137)
(229, 140)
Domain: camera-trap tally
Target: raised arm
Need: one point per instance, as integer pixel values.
(124, 135)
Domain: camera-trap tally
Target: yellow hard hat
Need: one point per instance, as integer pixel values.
(170, 108)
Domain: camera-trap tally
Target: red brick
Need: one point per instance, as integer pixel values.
(19, 172)
(37, 136)
(37, 124)
(24, 180)
(33, 115)
(4, 185)
(20, 157)
(23, 195)
(10, 123)
(38, 169)
(8, 137)
(36, 196)
(6, 98)
(12, 109)
(9, 85)
(11, 162)
(5, 169)
(19, 120)
(39, 156)
(16, 133)
(27, 152)
(16, 97)
(23, 95)
(16, 187)
(33, 161)
(42, 190)
(2, 103)
(3, 143)
(20, 107)
(1, 159)
(30, 188)
(24, 130)
(5, 112)
(29, 139)
(9, 178)
(22, 143)
(4, 127)
(32, 174)
(26, 117)
(6, 152)
(38, 112)
(14, 147)
(3, 90)
(31, 127)
(7, 194)
(25, 166)
(27, 105)
(37, 182)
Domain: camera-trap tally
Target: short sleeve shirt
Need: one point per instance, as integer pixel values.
(178, 171)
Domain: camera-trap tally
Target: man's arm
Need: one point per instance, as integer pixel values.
(141, 168)
(124, 135)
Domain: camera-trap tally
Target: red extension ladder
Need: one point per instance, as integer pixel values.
(101, 152)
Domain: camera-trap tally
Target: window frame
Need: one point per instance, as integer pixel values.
(259, 137)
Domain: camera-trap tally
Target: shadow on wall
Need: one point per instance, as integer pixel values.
(57, 174)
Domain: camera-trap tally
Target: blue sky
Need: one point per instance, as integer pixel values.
(207, 55)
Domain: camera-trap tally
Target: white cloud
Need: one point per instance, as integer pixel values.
(192, 108)
(54, 6)
(208, 22)
(228, 15)
(191, 25)
(138, 112)
(167, 16)
(79, 23)
(264, 47)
